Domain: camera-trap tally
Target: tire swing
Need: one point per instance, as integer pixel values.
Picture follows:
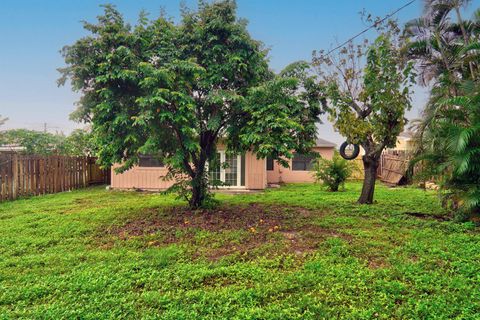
(349, 151)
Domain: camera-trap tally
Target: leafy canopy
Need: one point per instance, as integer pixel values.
(368, 106)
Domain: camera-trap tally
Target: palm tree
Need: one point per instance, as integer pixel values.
(442, 10)
(452, 148)
(447, 53)
(433, 42)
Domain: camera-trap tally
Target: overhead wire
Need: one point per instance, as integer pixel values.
(372, 26)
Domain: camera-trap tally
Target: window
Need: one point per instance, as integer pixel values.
(231, 170)
(242, 170)
(302, 162)
(227, 169)
(270, 164)
(150, 161)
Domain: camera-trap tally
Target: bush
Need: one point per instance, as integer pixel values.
(333, 173)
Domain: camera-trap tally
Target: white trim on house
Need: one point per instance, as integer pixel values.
(223, 159)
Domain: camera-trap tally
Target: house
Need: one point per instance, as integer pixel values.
(11, 148)
(242, 172)
(300, 166)
(405, 144)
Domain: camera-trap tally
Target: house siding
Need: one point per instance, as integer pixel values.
(152, 178)
(140, 178)
(256, 175)
(279, 174)
(255, 172)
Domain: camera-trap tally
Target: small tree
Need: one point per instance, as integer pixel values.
(176, 90)
(333, 173)
(367, 105)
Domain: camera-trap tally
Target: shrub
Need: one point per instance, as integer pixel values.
(333, 173)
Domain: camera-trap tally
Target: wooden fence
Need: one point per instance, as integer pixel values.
(391, 170)
(30, 175)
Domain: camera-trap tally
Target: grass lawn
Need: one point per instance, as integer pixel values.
(291, 253)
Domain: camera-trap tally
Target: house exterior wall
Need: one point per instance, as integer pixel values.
(152, 178)
(404, 144)
(140, 178)
(255, 172)
(279, 174)
(256, 175)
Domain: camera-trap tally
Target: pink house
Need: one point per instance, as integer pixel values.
(243, 171)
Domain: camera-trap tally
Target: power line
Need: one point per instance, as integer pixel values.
(372, 26)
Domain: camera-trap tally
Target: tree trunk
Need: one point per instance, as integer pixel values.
(199, 190)
(370, 165)
(199, 184)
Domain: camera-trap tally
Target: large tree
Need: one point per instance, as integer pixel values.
(368, 93)
(177, 89)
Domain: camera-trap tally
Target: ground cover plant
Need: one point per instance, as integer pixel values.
(290, 253)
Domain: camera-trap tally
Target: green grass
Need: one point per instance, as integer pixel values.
(95, 254)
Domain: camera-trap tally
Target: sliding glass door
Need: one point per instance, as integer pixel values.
(227, 169)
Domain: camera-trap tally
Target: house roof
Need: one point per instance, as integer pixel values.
(324, 143)
(406, 134)
(11, 148)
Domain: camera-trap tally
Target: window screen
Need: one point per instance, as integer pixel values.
(269, 164)
(302, 162)
(149, 161)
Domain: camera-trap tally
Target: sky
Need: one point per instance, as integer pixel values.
(33, 31)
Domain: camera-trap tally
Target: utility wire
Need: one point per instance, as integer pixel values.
(372, 26)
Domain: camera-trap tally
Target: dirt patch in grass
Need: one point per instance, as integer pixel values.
(422, 215)
(249, 231)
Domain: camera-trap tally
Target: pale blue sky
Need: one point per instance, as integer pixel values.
(33, 31)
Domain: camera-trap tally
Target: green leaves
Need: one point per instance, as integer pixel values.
(333, 173)
(445, 47)
(280, 119)
(452, 140)
(370, 105)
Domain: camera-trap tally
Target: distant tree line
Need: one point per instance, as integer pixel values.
(78, 143)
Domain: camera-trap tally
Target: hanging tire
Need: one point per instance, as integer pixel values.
(353, 155)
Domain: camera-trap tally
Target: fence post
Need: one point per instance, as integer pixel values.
(14, 176)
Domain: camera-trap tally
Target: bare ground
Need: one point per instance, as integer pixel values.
(259, 229)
